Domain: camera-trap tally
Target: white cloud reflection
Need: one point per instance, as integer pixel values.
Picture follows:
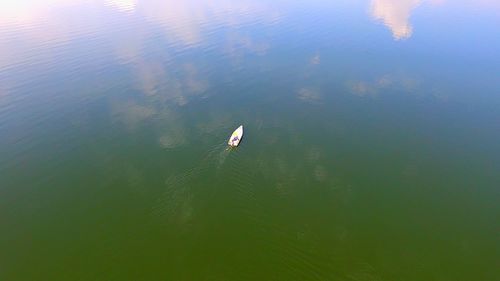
(395, 14)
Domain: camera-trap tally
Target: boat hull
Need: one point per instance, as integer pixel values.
(236, 137)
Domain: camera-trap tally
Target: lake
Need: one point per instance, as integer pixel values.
(371, 148)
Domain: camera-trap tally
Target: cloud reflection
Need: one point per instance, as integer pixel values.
(395, 14)
(316, 59)
(309, 95)
(381, 84)
(176, 86)
(58, 22)
(186, 20)
(130, 113)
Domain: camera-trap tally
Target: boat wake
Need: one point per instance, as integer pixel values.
(176, 202)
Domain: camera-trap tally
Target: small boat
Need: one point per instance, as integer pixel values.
(235, 138)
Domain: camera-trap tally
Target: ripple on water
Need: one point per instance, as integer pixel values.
(176, 201)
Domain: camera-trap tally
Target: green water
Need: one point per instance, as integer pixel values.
(371, 148)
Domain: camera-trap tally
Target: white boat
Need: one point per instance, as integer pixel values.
(235, 138)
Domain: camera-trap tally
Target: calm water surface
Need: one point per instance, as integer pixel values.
(371, 150)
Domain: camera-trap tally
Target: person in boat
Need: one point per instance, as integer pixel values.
(235, 139)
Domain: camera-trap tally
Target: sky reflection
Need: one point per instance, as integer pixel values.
(115, 115)
(129, 31)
